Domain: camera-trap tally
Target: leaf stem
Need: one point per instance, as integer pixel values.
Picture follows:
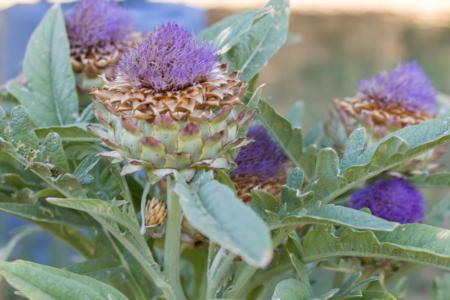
(219, 268)
(172, 240)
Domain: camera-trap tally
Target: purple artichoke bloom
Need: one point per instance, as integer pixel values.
(94, 23)
(407, 85)
(392, 199)
(169, 59)
(263, 158)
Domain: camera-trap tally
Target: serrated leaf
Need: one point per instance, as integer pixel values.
(52, 98)
(417, 243)
(289, 139)
(258, 44)
(291, 289)
(40, 282)
(340, 215)
(52, 151)
(213, 209)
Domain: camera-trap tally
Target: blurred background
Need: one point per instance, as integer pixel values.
(333, 44)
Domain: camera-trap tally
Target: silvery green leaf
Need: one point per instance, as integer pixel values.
(68, 133)
(258, 44)
(295, 114)
(441, 287)
(340, 215)
(289, 138)
(213, 209)
(52, 151)
(417, 243)
(227, 32)
(39, 282)
(291, 289)
(327, 173)
(51, 97)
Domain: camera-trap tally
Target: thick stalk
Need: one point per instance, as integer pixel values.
(172, 240)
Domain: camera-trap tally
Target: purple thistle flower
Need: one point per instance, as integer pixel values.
(392, 199)
(263, 158)
(407, 85)
(94, 23)
(169, 58)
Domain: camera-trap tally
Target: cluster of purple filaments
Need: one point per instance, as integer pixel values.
(392, 199)
(169, 59)
(96, 23)
(407, 86)
(263, 158)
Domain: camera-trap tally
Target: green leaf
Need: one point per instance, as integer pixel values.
(213, 209)
(227, 32)
(40, 282)
(438, 213)
(441, 287)
(340, 215)
(69, 133)
(417, 243)
(441, 179)
(327, 172)
(258, 44)
(52, 98)
(123, 226)
(295, 114)
(291, 289)
(47, 214)
(290, 139)
(52, 152)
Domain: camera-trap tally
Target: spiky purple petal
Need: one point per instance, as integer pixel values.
(170, 58)
(94, 23)
(406, 85)
(392, 199)
(263, 158)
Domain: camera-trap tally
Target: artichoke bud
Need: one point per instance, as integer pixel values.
(155, 213)
(172, 106)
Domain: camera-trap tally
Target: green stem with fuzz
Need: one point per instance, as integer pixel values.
(172, 240)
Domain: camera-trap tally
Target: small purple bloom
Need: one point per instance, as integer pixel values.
(392, 199)
(406, 85)
(94, 23)
(170, 58)
(263, 158)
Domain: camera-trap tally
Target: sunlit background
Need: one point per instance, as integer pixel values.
(333, 44)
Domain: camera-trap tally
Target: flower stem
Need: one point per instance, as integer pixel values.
(172, 240)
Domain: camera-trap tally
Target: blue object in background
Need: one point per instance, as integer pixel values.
(16, 26)
(19, 21)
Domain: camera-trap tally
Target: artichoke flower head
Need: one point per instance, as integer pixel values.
(261, 165)
(98, 31)
(390, 100)
(171, 105)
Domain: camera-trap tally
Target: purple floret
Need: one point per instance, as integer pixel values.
(407, 85)
(392, 199)
(263, 158)
(170, 58)
(94, 23)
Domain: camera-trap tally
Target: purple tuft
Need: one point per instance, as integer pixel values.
(168, 59)
(406, 85)
(393, 199)
(94, 23)
(263, 158)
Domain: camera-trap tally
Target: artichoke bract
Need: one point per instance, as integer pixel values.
(171, 105)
